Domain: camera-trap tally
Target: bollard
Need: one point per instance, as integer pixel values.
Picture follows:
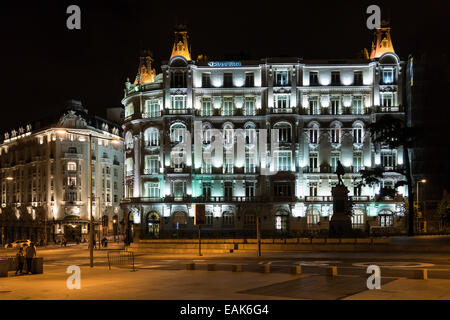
(421, 274)
(331, 271)
(265, 268)
(296, 269)
(190, 266)
(211, 267)
(236, 268)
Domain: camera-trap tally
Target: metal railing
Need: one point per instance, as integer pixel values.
(121, 258)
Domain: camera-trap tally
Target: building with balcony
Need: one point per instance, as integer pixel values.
(321, 110)
(45, 177)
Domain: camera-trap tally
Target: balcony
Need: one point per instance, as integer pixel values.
(381, 109)
(151, 170)
(178, 111)
(282, 110)
(318, 199)
(360, 198)
(72, 155)
(148, 115)
(229, 199)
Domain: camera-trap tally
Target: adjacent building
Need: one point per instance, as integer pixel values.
(44, 172)
(321, 109)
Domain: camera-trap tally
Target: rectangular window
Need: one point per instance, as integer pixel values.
(249, 79)
(206, 80)
(388, 159)
(206, 165)
(228, 80)
(335, 157)
(314, 135)
(250, 189)
(153, 189)
(387, 100)
(313, 161)
(282, 189)
(178, 79)
(227, 108)
(357, 105)
(358, 78)
(207, 109)
(282, 101)
(152, 109)
(129, 110)
(71, 166)
(388, 76)
(313, 78)
(71, 181)
(228, 190)
(178, 102)
(228, 164)
(357, 162)
(313, 190)
(313, 106)
(206, 190)
(250, 162)
(249, 107)
(151, 164)
(335, 78)
(281, 78)
(284, 160)
(335, 105)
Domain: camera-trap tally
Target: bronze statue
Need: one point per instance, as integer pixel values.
(340, 172)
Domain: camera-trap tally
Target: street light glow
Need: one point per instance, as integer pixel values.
(61, 131)
(9, 178)
(115, 141)
(423, 180)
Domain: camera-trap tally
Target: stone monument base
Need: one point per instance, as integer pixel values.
(341, 222)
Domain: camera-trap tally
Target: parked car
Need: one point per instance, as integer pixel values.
(18, 244)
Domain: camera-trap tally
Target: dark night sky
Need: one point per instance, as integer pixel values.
(44, 63)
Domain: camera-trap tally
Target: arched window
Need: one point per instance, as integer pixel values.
(386, 218)
(312, 217)
(358, 218)
(250, 133)
(282, 221)
(129, 140)
(177, 132)
(314, 133)
(206, 130)
(228, 135)
(284, 131)
(335, 133)
(153, 221)
(151, 137)
(358, 133)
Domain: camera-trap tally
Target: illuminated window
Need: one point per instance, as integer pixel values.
(335, 105)
(227, 107)
(314, 134)
(387, 100)
(284, 131)
(71, 181)
(336, 134)
(358, 217)
(335, 157)
(357, 162)
(152, 189)
(281, 78)
(249, 107)
(312, 217)
(151, 137)
(207, 109)
(388, 159)
(71, 166)
(283, 160)
(281, 101)
(357, 133)
(313, 161)
(388, 76)
(152, 108)
(177, 132)
(357, 105)
(151, 164)
(313, 105)
(129, 140)
(129, 110)
(178, 102)
(228, 218)
(386, 218)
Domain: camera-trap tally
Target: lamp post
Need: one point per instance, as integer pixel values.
(91, 220)
(417, 192)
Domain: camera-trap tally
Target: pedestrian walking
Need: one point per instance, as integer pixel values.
(29, 255)
(20, 259)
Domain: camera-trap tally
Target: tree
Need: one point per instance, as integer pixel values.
(393, 133)
(444, 208)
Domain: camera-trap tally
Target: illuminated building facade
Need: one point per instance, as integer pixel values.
(45, 178)
(321, 109)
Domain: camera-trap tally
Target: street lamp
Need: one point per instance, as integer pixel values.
(91, 222)
(417, 192)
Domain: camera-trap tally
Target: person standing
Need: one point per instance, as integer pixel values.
(30, 254)
(20, 260)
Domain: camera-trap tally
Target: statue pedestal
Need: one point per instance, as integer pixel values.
(341, 222)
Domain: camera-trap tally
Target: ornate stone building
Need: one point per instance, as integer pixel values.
(45, 178)
(321, 109)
